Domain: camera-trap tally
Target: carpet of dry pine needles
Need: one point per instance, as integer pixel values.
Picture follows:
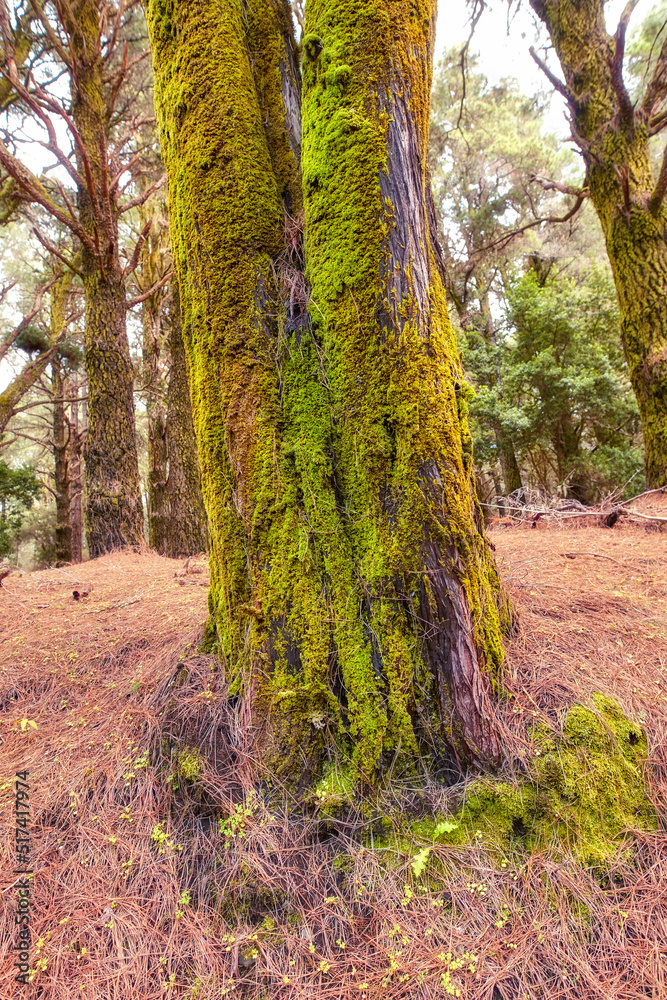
(138, 893)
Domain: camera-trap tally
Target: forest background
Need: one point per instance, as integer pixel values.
(533, 301)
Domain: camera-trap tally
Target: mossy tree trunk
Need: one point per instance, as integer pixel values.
(113, 505)
(178, 520)
(353, 595)
(613, 135)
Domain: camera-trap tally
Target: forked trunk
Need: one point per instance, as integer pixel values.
(353, 596)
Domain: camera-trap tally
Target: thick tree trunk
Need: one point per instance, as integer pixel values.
(114, 513)
(178, 521)
(613, 136)
(353, 595)
(62, 470)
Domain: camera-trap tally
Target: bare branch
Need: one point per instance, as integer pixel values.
(56, 252)
(134, 259)
(625, 105)
(656, 89)
(557, 84)
(549, 185)
(142, 198)
(151, 291)
(660, 189)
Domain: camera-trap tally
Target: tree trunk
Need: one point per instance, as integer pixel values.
(353, 595)
(76, 475)
(614, 139)
(114, 513)
(178, 522)
(62, 471)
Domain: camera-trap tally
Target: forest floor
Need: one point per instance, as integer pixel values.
(159, 872)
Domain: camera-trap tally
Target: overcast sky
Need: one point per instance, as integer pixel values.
(504, 51)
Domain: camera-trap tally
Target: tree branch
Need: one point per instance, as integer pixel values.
(151, 291)
(25, 322)
(625, 105)
(557, 84)
(660, 189)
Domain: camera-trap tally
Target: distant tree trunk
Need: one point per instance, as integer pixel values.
(114, 513)
(61, 472)
(508, 463)
(613, 135)
(178, 522)
(76, 475)
(352, 591)
(24, 381)
(153, 388)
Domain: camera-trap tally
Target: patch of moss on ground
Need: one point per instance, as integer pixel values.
(582, 793)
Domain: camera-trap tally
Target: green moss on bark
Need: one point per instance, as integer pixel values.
(583, 793)
(353, 597)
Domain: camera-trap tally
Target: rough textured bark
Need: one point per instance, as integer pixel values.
(353, 596)
(114, 514)
(613, 136)
(62, 483)
(76, 439)
(178, 519)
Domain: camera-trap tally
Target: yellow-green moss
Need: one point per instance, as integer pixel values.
(584, 790)
(316, 437)
(189, 764)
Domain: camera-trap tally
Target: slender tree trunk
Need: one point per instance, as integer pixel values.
(12, 395)
(614, 139)
(152, 344)
(76, 475)
(114, 513)
(62, 470)
(178, 522)
(353, 594)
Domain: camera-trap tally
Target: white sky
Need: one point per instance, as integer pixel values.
(505, 53)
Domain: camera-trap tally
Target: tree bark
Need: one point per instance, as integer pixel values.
(62, 480)
(178, 520)
(614, 139)
(114, 512)
(76, 475)
(353, 595)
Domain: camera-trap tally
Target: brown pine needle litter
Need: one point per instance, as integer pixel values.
(161, 873)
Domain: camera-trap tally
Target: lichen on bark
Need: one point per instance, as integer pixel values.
(353, 597)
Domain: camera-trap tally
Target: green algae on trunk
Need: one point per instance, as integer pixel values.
(613, 135)
(353, 597)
